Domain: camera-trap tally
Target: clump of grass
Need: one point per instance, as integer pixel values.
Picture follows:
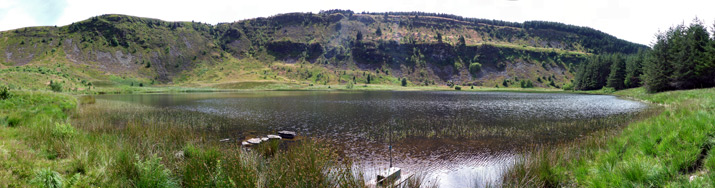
(63, 130)
(47, 178)
(13, 119)
(151, 173)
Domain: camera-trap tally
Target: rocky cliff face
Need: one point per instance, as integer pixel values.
(424, 48)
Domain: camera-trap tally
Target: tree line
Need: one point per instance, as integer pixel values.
(682, 57)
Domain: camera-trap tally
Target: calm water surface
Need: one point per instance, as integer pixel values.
(456, 138)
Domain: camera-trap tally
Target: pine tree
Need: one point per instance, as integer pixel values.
(656, 68)
(617, 74)
(634, 70)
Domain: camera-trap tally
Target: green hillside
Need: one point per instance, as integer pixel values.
(328, 48)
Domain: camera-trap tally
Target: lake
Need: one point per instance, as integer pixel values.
(451, 137)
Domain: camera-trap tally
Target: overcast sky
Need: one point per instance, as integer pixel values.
(633, 20)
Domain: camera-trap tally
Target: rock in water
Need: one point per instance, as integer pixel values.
(270, 136)
(245, 144)
(254, 141)
(286, 134)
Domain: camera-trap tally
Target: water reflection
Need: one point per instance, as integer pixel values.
(459, 138)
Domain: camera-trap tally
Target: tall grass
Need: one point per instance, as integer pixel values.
(666, 149)
(114, 144)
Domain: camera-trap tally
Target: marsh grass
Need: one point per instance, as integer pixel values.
(115, 144)
(668, 149)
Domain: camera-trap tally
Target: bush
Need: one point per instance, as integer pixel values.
(4, 92)
(47, 178)
(457, 87)
(55, 86)
(153, 174)
(474, 68)
(404, 82)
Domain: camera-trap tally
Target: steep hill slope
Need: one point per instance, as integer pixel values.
(332, 47)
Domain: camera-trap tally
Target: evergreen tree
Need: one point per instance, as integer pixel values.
(358, 37)
(617, 74)
(634, 70)
(656, 68)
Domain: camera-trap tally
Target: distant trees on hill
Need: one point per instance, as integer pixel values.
(683, 57)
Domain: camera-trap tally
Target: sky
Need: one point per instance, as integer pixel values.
(633, 20)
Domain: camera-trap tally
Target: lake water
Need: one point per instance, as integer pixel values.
(454, 138)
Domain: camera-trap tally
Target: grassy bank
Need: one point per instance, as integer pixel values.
(671, 149)
(51, 139)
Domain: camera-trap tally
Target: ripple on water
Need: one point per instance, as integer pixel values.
(457, 138)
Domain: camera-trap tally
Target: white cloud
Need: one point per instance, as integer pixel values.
(636, 20)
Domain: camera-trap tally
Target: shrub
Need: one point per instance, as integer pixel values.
(474, 68)
(608, 90)
(55, 86)
(153, 174)
(350, 85)
(457, 87)
(47, 178)
(4, 92)
(404, 82)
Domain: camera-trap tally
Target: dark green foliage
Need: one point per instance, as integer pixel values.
(55, 86)
(114, 41)
(526, 84)
(378, 32)
(457, 87)
(4, 92)
(505, 83)
(617, 74)
(474, 68)
(634, 70)
(47, 178)
(682, 58)
(358, 37)
(404, 82)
